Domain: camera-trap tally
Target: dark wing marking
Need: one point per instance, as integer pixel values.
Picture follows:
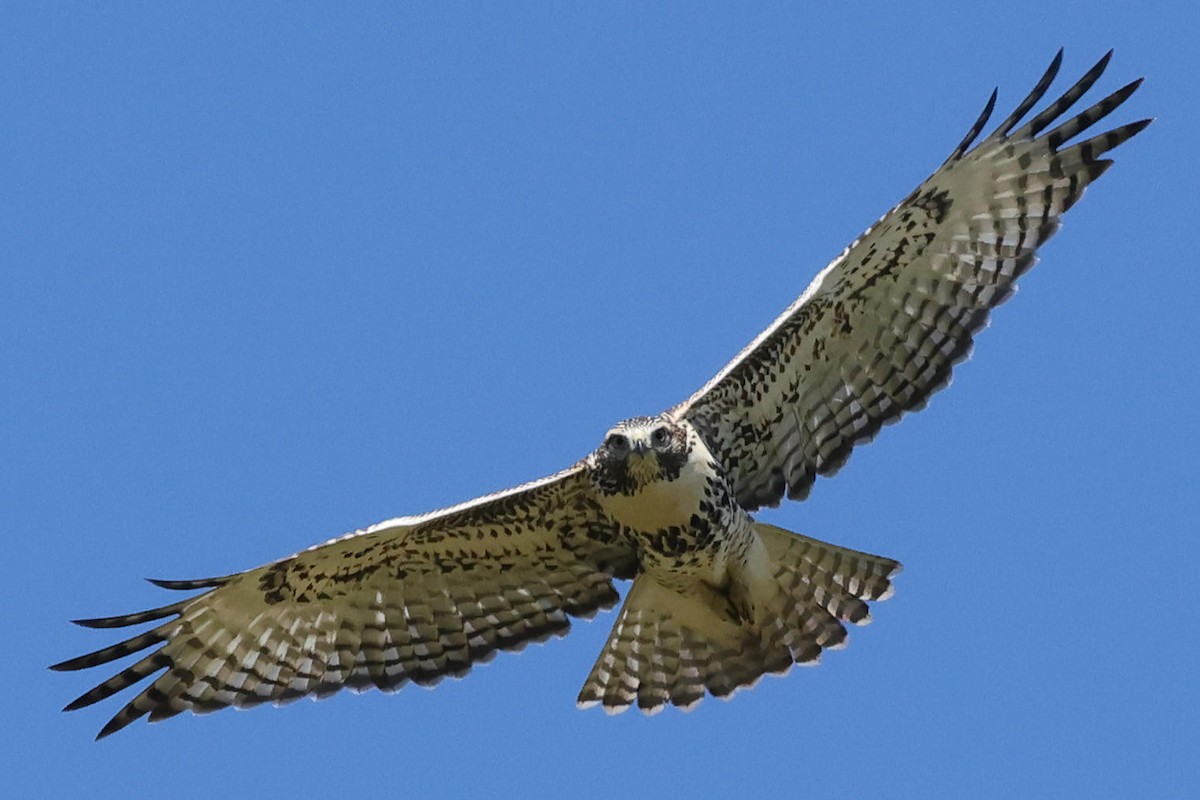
(411, 599)
(879, 329)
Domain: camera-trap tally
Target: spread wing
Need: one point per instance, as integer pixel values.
(411, 599)
(879, 329)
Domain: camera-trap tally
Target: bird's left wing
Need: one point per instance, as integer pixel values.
(411, 599)
(880, 328)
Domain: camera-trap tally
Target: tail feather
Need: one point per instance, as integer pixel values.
(670, 648)
(801, 590)
(787, 603)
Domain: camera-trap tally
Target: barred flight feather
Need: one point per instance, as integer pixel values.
(881, 328)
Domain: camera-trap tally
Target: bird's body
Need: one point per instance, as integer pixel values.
(718, 598)
(760, 598)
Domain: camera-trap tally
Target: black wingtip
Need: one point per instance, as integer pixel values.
(1126, 132)
(980, 121)
(98, 622)
(1102, 64)
(185, 586)
(1035, 95)
(111, 727)
(126, 620)
(77, 703)
(1055, 66)
(95, 622)
(1056, 63)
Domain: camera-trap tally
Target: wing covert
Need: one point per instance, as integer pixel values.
(409, 600)
(880, 328)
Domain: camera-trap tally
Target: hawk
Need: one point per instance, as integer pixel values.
(718, 599)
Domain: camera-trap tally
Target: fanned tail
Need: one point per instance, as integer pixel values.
(787, 602)
(669, 648)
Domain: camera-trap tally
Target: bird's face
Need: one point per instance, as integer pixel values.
(641, 451)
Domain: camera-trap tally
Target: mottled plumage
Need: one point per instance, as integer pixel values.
(718, 599)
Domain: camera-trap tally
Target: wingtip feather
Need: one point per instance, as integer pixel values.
(188, 585)
(976, 128)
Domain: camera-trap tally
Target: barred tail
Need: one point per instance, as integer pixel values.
(786, 603)
(801, 590)
(669, 648)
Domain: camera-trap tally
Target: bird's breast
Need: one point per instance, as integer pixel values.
(659, 504)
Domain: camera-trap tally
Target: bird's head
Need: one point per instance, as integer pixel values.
(640, 451)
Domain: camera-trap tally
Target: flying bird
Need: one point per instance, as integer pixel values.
(718, 599)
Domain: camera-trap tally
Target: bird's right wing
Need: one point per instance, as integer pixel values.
(411, 599)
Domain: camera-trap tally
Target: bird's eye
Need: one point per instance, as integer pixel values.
(617, 443)
(661, 437)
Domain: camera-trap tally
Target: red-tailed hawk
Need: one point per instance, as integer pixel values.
(718, 599)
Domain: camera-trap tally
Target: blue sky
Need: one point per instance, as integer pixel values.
(273, 275)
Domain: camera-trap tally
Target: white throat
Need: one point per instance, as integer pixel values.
(661, 503)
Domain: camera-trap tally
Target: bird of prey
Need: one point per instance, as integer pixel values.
(718, 599)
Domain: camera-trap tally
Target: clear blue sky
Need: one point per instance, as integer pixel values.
(273, 275)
